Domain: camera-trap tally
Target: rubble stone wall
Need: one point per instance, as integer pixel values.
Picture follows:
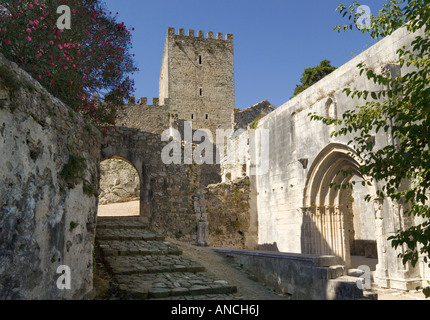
(227, 205)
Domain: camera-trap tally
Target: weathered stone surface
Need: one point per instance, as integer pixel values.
(119, 182)
(207, 98)
(137, 247)
(46, 218)
(228, 213)
(246, 117)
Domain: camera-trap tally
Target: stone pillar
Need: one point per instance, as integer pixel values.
(381, 274)
(202, 220)
(329, 223)
(203, 234)
(402, 276)
(145, 201)
(306, 231)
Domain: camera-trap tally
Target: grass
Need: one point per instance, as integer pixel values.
(73, 170)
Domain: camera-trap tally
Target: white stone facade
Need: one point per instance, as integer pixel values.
(296, 208)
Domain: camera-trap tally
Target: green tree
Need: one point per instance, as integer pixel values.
(313, 75)
(92, 57)
(403, 109)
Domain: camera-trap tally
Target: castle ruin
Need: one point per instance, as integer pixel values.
(48, 219)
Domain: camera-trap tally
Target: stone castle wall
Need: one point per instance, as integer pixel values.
(227, 205)
(48, 199)
(166, 190)
(154, 118)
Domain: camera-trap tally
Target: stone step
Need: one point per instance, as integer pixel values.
(347, 286)
(121, 224)
(126, 265)
(137, 248)
(170, 285)
(369, 295)
(226, 297)
(127, 234)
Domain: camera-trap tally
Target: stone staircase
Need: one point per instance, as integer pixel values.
(146, 266)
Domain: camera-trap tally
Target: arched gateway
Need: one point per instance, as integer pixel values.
(327, 211)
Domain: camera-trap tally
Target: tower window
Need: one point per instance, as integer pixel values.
(192, 117)
(200, 59)
(201, 92)
(207, 116)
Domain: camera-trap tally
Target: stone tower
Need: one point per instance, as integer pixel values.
(197, 76)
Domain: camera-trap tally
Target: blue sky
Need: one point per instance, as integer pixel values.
(274, 40)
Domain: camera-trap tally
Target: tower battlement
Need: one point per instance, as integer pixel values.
(144, 101)
(200, 34)
(197, 75)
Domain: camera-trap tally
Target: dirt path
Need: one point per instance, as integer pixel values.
(119, 209)
(217, 265)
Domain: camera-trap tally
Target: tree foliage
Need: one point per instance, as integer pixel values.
(313, 75)
(92, 57)
(402, 108)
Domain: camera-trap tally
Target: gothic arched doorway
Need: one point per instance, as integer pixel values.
(337, 220)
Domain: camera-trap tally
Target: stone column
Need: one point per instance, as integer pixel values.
(329, 223)
(306, 231)
(381, 274)
(402, 276)
(202, 220)
(343, 242)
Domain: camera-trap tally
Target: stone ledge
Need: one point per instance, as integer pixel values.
(316, 261)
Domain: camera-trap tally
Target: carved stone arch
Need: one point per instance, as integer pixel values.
(324, 170)
(324, 207)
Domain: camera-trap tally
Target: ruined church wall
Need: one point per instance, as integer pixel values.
(295, 143)
(47, 219)
(295, 138)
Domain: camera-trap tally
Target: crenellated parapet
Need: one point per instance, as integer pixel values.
(200, 34)
(147, 117)
(143, 101)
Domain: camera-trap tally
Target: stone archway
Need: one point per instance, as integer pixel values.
(118, 152)
(327, 227)
(120, 188)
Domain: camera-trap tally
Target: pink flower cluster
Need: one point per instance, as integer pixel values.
(73, 64)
